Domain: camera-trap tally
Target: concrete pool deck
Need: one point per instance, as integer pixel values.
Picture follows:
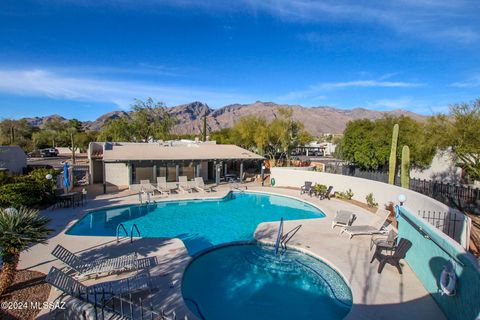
(388, 295)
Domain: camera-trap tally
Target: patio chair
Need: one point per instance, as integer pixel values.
(382, 242)
(399, 252)
(146, 186)
(183, 184)
(100, 292)
(98, 267)
(325, 195)
(306, 188)
(376, 227)
(343, 218)
(200, 185)
(162, 186)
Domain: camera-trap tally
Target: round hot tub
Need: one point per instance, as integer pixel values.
(250, 281)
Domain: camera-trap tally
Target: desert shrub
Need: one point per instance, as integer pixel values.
(347, 195)
(371, 200)
(5, 178)
(21, 194)
(320, 188)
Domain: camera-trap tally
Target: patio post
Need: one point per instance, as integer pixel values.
(241, 171)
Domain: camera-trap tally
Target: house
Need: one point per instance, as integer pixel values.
(123, 164)
(12, 159)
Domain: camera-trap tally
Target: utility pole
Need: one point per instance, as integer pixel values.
(205, 126)
(73, 147)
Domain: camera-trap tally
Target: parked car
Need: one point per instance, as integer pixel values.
(49, 152)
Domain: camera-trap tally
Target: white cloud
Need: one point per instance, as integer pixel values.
(408, 103)
(40, 82)
(470, 83)
(319, 88)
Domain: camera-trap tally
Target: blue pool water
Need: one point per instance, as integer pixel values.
(201, 223)
(240, 282)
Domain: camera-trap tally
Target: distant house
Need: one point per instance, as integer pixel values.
(124, 164)
(12, 159)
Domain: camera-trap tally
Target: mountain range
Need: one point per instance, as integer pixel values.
(189, 117)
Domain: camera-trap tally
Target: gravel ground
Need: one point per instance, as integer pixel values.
(25, 298)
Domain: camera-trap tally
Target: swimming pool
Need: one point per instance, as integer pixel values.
(239, 282)
(199, 224)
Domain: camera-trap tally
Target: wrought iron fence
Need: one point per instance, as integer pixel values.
(451, 224)
(462, 197)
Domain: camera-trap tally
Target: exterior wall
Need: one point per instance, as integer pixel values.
(382, 192)
(441, 169)
(116, 174)
(13, 158)
(427, 260)
(66, 150)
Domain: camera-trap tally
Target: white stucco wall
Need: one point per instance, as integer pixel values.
(382, 192)
(13, 158)
(441, 169)
(116, 174)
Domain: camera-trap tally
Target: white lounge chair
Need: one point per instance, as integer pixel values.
(343, 218)
(375, 227)
(183, 184)
(101, 291)
(146, 186)
(200, 185)
(98, 267)
(162, 186)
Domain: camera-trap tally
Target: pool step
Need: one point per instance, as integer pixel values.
(331, 280)
(272, 262)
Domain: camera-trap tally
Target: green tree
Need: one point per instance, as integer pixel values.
(116, 130)
(223, 136)
(16, 132)
(18, 230)
(367, 143)
(459, 131)
(148, 120)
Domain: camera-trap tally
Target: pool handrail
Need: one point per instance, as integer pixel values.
(279, 235)
(134, 226)
(288, 236)
(118, 231)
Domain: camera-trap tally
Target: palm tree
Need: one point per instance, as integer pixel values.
(18, 230)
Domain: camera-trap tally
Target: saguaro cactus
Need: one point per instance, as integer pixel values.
(405, 173)
(393, 156)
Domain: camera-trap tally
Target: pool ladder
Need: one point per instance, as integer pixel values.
(282, 239)
(279, 236)
(122, 227)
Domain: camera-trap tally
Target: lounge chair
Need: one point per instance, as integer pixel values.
(306, 188)
(325, 195)
(399, 252)
(98, 267)
(183, 184)
(146, 186)
(101, 291)
(200, 185)
(343, 218)
(375, 227)
(162, 186)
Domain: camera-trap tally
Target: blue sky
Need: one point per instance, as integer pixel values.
(82, 58)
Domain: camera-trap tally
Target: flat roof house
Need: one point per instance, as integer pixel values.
(12, 159)
(123, 164)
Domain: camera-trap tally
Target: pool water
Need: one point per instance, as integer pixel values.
(251, 282)
(199, 224)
